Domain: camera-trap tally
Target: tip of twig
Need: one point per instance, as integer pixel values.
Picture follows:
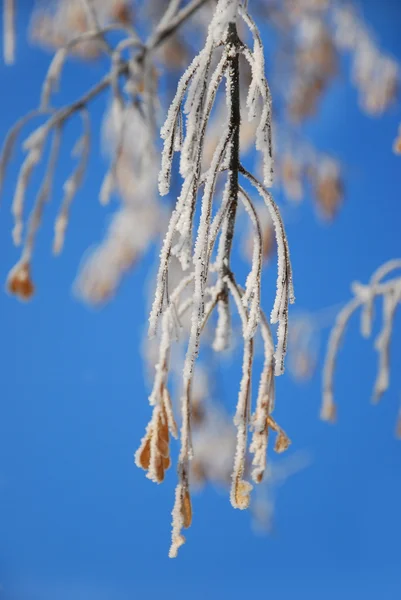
(329, 413)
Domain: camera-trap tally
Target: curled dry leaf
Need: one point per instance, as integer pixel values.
(19, 281)
(153, 454)
(282, 440)
(187, 510)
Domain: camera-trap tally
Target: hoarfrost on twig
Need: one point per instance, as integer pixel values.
(209, 285)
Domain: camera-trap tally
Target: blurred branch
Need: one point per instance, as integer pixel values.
(9, 31)
(364, 299)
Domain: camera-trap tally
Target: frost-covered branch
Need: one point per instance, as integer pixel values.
(192, 240)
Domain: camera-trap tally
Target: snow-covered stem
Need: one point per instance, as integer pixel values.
(72, 184)
(240, 488)
(264, 407)
(30, 162)
(252, 293)
(234, 127)
(285, 290)
(43, 196)
(230, 198)
(264, 141)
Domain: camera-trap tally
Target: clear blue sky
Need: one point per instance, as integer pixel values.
(78, 521)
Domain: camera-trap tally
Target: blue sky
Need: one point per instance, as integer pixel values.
(78, 521)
